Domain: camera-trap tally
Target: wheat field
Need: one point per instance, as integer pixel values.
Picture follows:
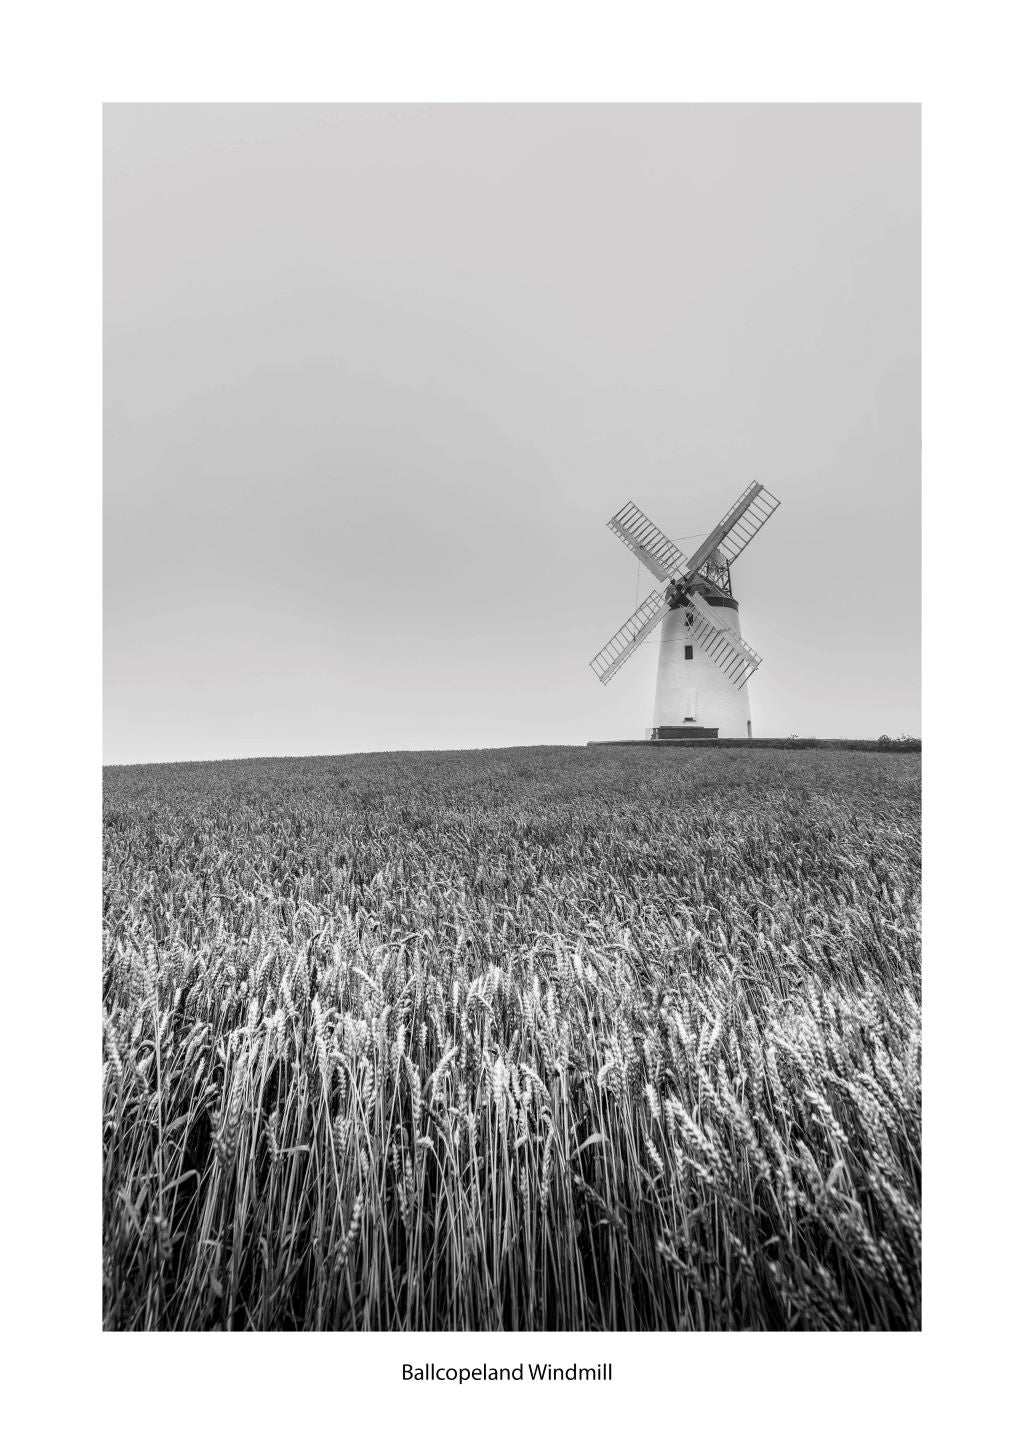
(547, 1038)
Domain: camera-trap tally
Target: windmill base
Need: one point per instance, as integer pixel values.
(690, 735)
(668, 742)
(689, 732)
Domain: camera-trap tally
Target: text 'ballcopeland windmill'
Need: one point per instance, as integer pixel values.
(703, 663)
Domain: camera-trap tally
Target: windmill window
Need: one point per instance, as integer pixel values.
(688, 653)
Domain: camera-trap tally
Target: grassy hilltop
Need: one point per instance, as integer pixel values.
(539, 1038)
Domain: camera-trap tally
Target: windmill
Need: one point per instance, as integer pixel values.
(703, 662)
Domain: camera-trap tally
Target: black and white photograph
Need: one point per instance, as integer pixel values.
(511, 799)
(465, 967)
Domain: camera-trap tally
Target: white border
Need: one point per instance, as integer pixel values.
(62, 61)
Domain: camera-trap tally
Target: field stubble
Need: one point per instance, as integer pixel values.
(530, 1039)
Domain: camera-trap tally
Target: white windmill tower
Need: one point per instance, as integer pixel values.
(703, 664)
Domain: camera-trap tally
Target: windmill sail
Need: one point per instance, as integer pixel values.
(621, 647)
(726, 648)
(658, 554)
(744, 520)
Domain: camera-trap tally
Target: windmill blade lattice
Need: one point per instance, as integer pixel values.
(726, 648)
(744, 521)
(658, 553)
(621, 647)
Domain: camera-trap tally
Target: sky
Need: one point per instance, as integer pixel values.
(375, 378)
